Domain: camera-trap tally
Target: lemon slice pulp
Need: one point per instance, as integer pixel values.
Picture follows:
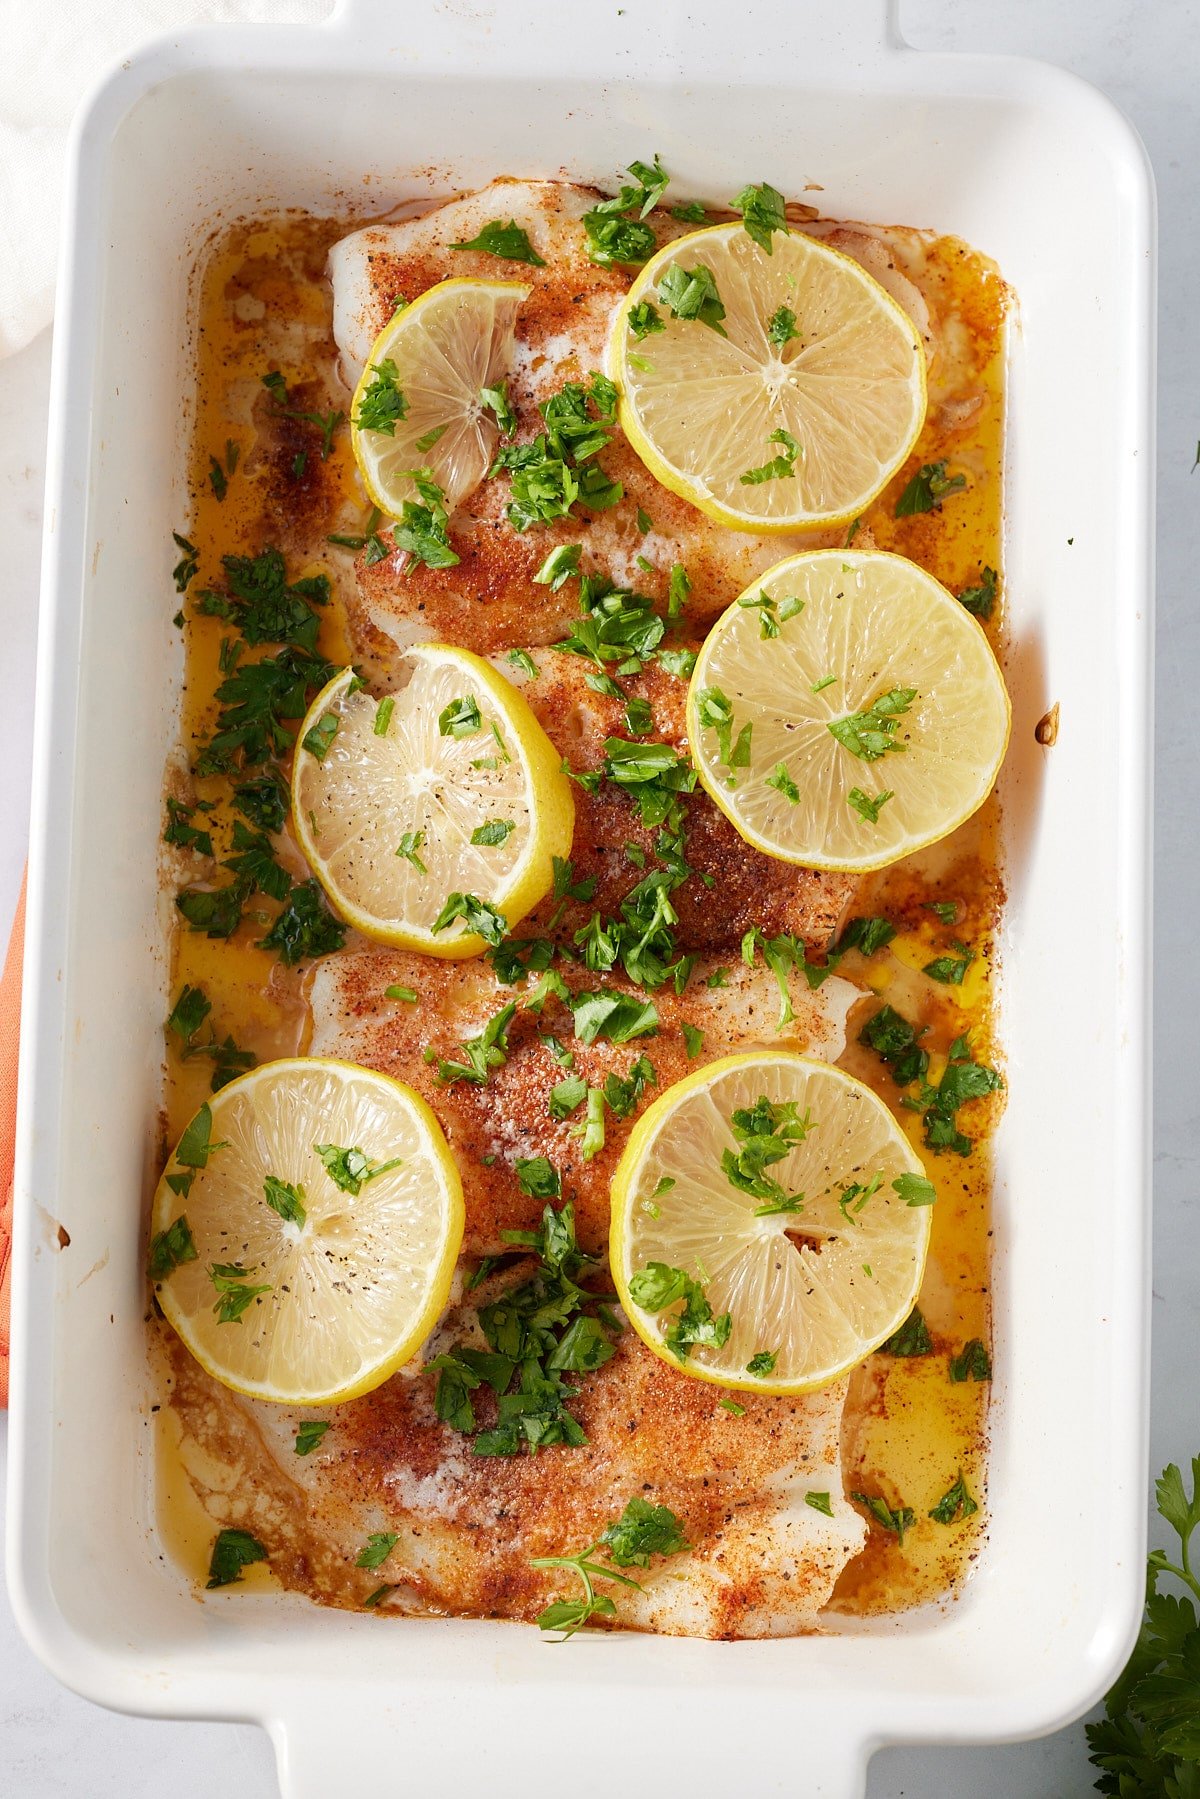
(447, 787)
(878, 717)
(801, 412)
(814, 1269)
(444, 350)
(343, 1285)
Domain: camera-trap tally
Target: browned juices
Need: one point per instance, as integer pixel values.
(264, 303)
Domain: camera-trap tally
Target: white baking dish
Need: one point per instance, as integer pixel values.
(1040, 172)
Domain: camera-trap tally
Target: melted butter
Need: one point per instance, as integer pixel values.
(908, 1431)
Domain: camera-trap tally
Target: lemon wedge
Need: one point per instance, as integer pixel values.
(769, 1275)
(846, 711)
(305, 1231)
(431, 816)
(422, 400)
(775, 392)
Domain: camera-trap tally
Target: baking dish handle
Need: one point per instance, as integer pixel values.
(413, 1744)
(462, 33)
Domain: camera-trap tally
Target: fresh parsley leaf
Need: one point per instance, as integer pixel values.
(912, 1338)
(264, 800)
(779, 468)
(265, 605)
(378, 1547)
(309, 1435)
(538, 1177)
(196, 1144)
(690, 212)
(306, 927)
(781, 328)
(896, 1519)
(508, 241)
(693, 1040)
(170, 1248)
(255, 699)
(217, 478)
(915, 1189)
(955, 1504)
(233, 1551)
(423, 529)
(643, 1530)
(183, 834)
(350, 1169)
(783, 783)
(715, 712)
(286, 1199)
(679, 663)
(762, 1363)
(949, 970)
(763, 211)
(383, 715)
(615, 1016)
(871, 734)
(409, 995)
(645, 319)
(461, 718)
(480, 918)
(492, 832)
(254, 863)
(186, 568)
(692, 294)
(894, 1040)
(234, 1295)
(820, 1502)
(980, 600)
(483, 1053)
(495, 399)
(658, 1286)
(318, 739)
(559, 566)
(971, 1363)
(408, 847)
(927, 489)
(866, 806)
(945, 910)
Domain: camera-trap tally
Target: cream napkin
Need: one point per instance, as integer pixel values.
(52, 54)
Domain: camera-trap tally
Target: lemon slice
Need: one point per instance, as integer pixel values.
(283, 1281)
(801, 1278)
(443, 351)
(846, 710)
(444, 796)
(762, 430)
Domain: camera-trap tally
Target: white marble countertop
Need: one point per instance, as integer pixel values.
(1146, 55)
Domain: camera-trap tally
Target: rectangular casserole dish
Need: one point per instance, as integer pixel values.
(1042, 174)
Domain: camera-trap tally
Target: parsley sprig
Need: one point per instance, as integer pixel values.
(643, 1530)
(1148, 1742)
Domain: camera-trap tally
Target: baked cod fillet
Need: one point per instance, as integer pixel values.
(762, 1562)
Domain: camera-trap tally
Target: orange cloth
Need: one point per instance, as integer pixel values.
(10, 1026)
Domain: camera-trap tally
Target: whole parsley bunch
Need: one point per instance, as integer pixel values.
(1148, 1744)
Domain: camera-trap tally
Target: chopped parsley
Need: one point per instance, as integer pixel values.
(896, 1519)
(383, 404)
(318, 740)
(479, 917)
(911, 1339)
(781, 328)
(872, 734)
(783, 783)
(408, 847)
(306, 927)
(645, 319)
(715, 712)
(763, 213)
(461, 718)
(378, 1547)
(493, 832)
(955, 1504)
(981, 599)
(927, 489)
(310, 1434)
(693, 1040)
(657, 1286)
(422, 532)
(762, 1363)
(820, 1502)
(383, 715)
(186, 1018)
(286, 1199)
(351, 1169)
(495, 399)
(538, 1177)
(765, 1133)
(692, 294)
(264, 605)
(950, 970)
(182, 833)
(170, 1248)
(187, 567)
(508, 241)
(867, 806)
(616, 229)
(483, 1053)
(894, 1041)
(232, 1551)
(264, 800)
(971, 1363)
(780, 468)
(408, 995)
(234, 1295)
(618, 1017)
